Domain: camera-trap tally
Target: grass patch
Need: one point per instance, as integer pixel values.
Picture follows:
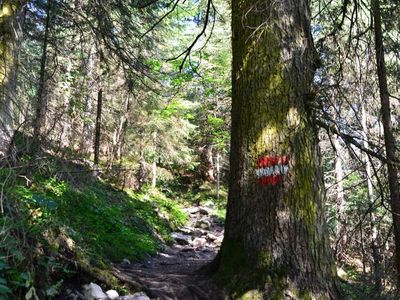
(106, 222)
(93, 223)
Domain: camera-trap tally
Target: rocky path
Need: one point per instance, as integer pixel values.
(173, 274)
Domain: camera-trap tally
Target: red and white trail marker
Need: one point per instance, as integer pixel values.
(271, 169)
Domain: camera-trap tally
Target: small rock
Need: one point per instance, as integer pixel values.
(180, 238)
(168, 251)
(193, 210)
(204, 211)
(93, 292)
(207, 249)
(126, 261)
(112, 294)
(199, 242)
(71, 295)
(198, 232)
(211, 237)
(187, 249)
(217, 220)
(342, 274)
(204, 224)
(219, 239)
(186, 230)
(136, 296)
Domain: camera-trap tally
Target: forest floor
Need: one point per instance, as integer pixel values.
(175, 273)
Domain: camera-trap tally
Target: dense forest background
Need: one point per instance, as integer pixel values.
(115, 117)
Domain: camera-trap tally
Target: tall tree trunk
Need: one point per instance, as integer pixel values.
(387, 131)
(276, 244)
(97, 135)
(65, 120)
(120, 132)
(39, 121)
(154, 164)
(341, 234)
(218, 170)
(87, 121)
(207, 163)
(142, 174)
(9, 36)
(375, 240)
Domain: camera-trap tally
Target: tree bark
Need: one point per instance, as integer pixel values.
(375, 239)
(390, 143)
(9, 37)
(207, 163)
(154, 164)
(276, 243)
(65, 121)
(87, 121)
(218, 170)
(39, 121)
(142, 174)
(341, 234)
(120, 132)
(97, 135)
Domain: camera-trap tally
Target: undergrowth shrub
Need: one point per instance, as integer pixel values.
(47, 220)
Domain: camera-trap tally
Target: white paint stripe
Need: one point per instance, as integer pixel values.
(274, 170)
(285, 169)
(277, 170)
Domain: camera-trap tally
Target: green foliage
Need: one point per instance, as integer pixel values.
(357, 286)
(95, 222)
(106, 222)
(205, 195)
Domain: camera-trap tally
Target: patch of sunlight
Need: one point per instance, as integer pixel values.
(293, 117)
(253, 295)
(6, 10)
(266, 138)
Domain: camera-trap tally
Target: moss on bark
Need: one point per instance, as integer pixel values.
(276, 243)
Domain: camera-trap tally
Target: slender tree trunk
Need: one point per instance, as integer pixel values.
(122, 136)
(142, 168)
(154, 164)
(207, 163)
(65, 121)
(363, 252)
(276, 244)
(9, 43)
(97, 135)
(39, 122)
(87, 121)
(341, 234)
(375, 240)
(388, 131)
(120, 132)
(210, 164)
(218, 169)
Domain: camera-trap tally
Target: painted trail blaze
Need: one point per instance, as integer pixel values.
(270, 170)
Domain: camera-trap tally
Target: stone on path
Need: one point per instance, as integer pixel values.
(186, 230)
(204, 211)
(198, 232)
(94, 292)
(203, 224)
(211, 237)
(193, 210)
(181, 239)
(136, 296)
(112, 294)
(199, 242)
